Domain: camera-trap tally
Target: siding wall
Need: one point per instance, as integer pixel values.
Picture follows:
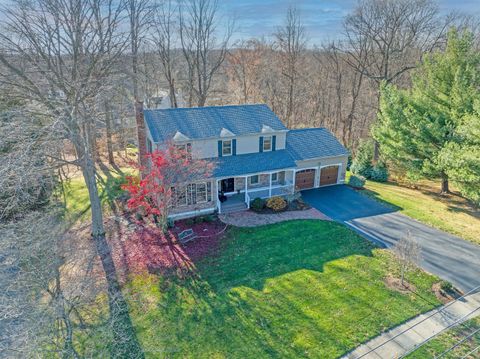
(245, 144)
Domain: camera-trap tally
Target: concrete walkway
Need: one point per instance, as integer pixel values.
(406, 337)
(252, 219)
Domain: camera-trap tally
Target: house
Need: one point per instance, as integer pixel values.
(255, 155)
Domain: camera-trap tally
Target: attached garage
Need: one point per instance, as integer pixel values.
(328, 175)
(305, 179)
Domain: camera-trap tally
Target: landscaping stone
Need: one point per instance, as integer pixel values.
(252, 219)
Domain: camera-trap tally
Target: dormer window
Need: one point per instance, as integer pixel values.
(185, 148)
(267, 143)
(227, 148)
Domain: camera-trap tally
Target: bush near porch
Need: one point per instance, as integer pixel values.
(304, 288)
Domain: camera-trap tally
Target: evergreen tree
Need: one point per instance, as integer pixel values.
(417, 126)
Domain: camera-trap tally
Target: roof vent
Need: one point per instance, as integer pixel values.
(266, 128)
(226, 133)
(180, 137)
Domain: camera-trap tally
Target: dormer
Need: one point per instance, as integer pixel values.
(180, 137)
(267, 129)
(226, 133)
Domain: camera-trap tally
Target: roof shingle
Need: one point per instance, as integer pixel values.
(304, 144)
(207, 122)
(252, 163)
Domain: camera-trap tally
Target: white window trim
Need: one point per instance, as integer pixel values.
(276, 179)
(184, 191)
(196, 192)
(231, 148)
(271, 143)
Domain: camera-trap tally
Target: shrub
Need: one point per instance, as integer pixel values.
(379, 173)
(276, 204)
(446, 286)
(356, 181)
(362, 164)
(257, 204)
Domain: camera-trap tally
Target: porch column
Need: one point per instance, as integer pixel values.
(270, 186)
(246, 188)
(219, 205)
(293, 181)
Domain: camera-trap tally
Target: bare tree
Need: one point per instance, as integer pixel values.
(245, 64)
(202, 51)
(164, 40)
(58, 56)
(394, 34)
(291, 40)
(407, 251)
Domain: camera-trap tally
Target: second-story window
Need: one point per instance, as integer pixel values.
(187, 148)
(267, 143)
(227, 148)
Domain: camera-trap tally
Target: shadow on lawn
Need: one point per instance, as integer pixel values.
(276, 291)
(273, 291)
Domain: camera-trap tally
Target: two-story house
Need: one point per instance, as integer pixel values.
(254, 154)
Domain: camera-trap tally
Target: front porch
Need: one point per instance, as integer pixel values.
(237, 192)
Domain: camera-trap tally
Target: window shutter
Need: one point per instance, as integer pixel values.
(219, 148)
(274, 142)
(260, 144)
(234, 147)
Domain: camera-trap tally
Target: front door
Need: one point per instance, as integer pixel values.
(227, 185)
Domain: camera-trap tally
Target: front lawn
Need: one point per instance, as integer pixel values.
(452, 213)
(299, 288)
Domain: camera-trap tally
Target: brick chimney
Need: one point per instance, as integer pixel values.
(141, 132)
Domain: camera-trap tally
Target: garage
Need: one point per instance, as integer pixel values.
(305, 179)
(328, 175)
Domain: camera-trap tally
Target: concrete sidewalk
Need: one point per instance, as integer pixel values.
(422, 327)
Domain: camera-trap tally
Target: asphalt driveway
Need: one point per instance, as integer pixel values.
(443, 254)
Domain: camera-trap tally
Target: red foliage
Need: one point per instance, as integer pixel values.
(152, 194)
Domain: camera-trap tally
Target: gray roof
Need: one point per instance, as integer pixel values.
(207, 122)
(303, 144)
(252, 163)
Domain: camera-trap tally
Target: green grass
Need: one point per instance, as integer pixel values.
(77, 202)
(294, 289)
(451, 213)
(445, 341)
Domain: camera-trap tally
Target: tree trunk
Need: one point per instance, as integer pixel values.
(108, 126)
(173, 95)
(125, 341)
(445, 188)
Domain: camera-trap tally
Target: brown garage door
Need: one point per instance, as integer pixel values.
(328, 175)
(305, 179)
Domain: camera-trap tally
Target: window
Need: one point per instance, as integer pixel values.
(187, 147)
(226, 148)
(254, 179)
(192, 194)
(267, 143)
(275, 177)
(201, 192)
(149, 146)
(181, 196)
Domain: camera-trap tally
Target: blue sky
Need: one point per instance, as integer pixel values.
(322, 18)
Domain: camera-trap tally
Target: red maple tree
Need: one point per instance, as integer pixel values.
(151, 195)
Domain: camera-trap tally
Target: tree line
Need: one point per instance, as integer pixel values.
(71, 74)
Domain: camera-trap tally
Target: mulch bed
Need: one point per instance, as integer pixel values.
(295, 205)
(138, 248)
(395, 283)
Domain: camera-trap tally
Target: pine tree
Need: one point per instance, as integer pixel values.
(416, 126)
